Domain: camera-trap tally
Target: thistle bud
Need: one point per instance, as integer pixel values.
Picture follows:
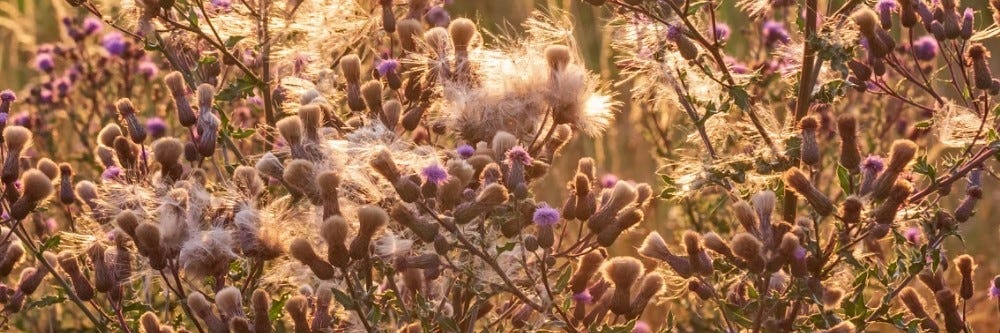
(809, 150)
(850, 155)
(301, 175)
(371, 91)
(966, 208)
(385, 166)
(207, 128)
(126, 111)
(462, 31)
(291, 130)
(746, 216)
(150, 323)
(411, 119)
(269, 165)
(685, 46)
(979, 56)
(229, 300)
(798, 181)
(321, 315)
(625, 219)
(301, 250)
(11, 255)
(334, 231)
(371, 220)
(703, 290)
(149, 243)
(177, 87)
(655, 247)
(388, 17)
(311, 118)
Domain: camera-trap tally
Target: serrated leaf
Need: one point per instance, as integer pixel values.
(50, 243)
(845, 178)
(232, 40)
(44, 302)
(563, 279)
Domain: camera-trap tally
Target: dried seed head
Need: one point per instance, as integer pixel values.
(203, 309)
(48, 167)
(175, 83)
(901, 154)
(371, 91)
(149, 243)
(18, 138)
(229, 300)
(948, 305)
(492, 195)
(850, 155)
(851, 210)
(296, 308)
(391, 112)
(966, 265)
(301, 250)
(36, 186)
(269, 165)
(350, 66)
(886, 212)
(651, 285)
(715, 243)
(798, 181)
(832, 297)
(301, 175)
(408, 30)
(585, 270)
(558, 56)
(866, 19)
(311, 117)
(328, 182)
(437, 39)
(502, 142)
(462, 30)
(66, 194)
(385, 165)
(168, 151)
(653, 246)
(622, 272)
(206, 97)
(371, 220)
(746, 216)
(290, 129)
(750, 249)
(150, 323)
(261, 303)
(127, 222)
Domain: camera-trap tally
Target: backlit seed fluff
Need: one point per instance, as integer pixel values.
(36, 188)
(623, 273)
(715, 243)
(650, 286)
(653, 246)
(850, 155)
(260, 302)
(798, 181)
(385, 165)
(204, 310)
(371, 220)
(746, 216)
(901, 153)
(851, 210)
(311, 116)
(832, 297)
(149, 322)
(334, 230)
(866, 19)
(270, 165)
(48, 167)
(492, 195)
(296, 308)
(290, 129)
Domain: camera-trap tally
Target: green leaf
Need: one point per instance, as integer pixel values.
(242, 133)
(232, 40)
(740, 97)
(845, 179)
(563, 279)
(50, 243)
(343, 298)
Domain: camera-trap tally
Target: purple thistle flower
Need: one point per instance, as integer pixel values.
(44, 62)
(799, 253)
(465, 151)
(148, 69)
(994, 289)
(722, 31)
(92, 25)
(545, 215)
(45, 96)
(583, 297)
(114, 43)
(51, 225)
(774, 33)
(675, 32)
(873, 164)
(23, 118)
(434, 173)
(221, 5)
(609, 180)
(519, 155)
(886, 6)
(387, 66)
(3, 118)
(62, 86)
(7, 95)
(111, 173)
(641, 327)
(437, 16)
(912, 235)
(156, 127)
(925, 48)
(256, 101)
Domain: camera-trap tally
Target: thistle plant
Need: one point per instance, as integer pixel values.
(321, 166)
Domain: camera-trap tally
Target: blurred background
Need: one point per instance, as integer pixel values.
(625, 151)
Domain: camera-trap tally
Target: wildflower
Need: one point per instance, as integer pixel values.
(623, 273)
(434, 173)
(622, 195)
(896, 197)
(92, 25)
(656, 248)
(900, 155)
(114, 43)
(371, 220)
(156, 127)
(925, 48)
(650, 286)
(798, 181)
(966, 266)
(948, 305)
(641, 327)
(148, 69)
(967, 24)
(912, 235)
(994, 291)
(204, 310)
(721, 31)
(609, 180)
(775, 33)
(885, 8)
(585, 270)
(686, 47)
(44, 62)
(465, 151)
(437, 16)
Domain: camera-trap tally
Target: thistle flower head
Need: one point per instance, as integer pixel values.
(545, 215)
(114, 43)
(775, 33)
(873, 164)
(387, 66)
(7, 95)
(994, 291)
(977, 52)
(518, 154)
(465, 151)
(434, 173)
